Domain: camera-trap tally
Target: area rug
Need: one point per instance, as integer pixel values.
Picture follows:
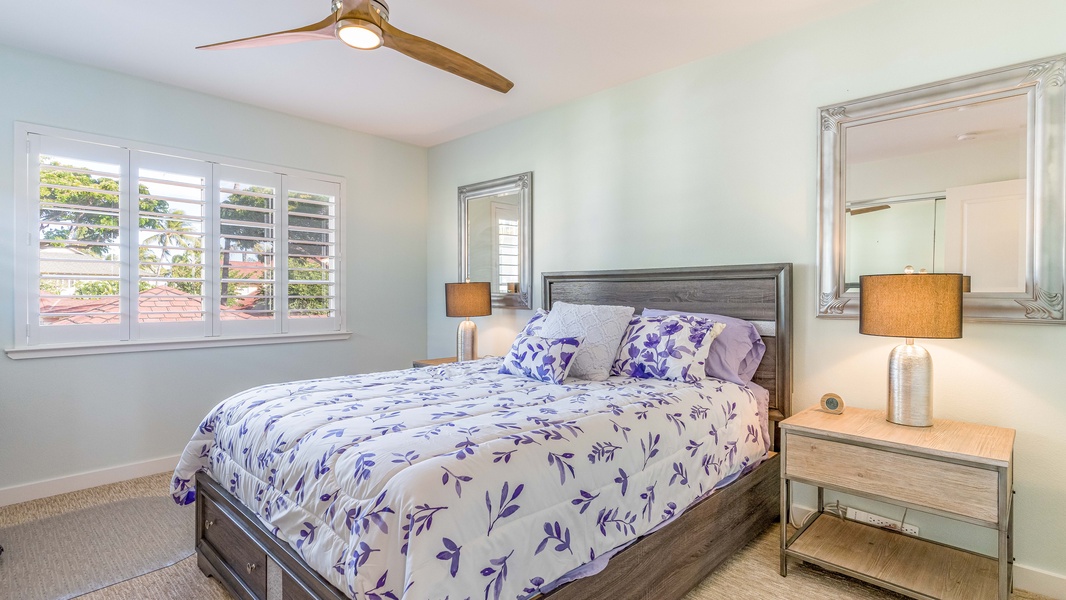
(75, 553)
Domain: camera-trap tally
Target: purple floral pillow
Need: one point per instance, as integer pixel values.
(670, 347)
(543, 359)
(535, 323)
(736, 354)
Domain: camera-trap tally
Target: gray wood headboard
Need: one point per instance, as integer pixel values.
(758, 293)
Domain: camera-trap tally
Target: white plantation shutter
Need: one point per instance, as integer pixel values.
(122, 243)
(505, 245)
(249, 214)
(77, 291)
(312, 268)
(173, 224)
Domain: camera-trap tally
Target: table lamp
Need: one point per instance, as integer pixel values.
(912, 305)
(470, 299)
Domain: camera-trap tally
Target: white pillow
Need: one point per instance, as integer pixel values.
(600, 326)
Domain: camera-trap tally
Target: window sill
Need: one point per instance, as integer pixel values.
(56, 350)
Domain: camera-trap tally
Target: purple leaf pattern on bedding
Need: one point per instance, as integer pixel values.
(507, 505)
(557, 533)
(463, 482)
(450, 554)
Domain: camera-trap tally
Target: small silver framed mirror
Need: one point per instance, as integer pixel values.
(496, 238)
(965, 175)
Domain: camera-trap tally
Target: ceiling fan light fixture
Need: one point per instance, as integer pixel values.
(359, 34)
(362, 24)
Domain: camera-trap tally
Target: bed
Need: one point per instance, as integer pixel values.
(238, 542)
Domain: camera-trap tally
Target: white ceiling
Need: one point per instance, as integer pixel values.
(983, 122)
(554, 51)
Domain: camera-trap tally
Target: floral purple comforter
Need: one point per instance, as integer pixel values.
(458, 482)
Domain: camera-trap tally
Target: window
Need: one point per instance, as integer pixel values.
(505, 242)
(122, 243)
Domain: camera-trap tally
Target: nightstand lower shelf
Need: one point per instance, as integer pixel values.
(902, 563)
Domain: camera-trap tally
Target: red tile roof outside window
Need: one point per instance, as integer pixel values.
(174, 306)
(245, 270)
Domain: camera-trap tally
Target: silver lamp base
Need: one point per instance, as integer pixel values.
(910, 385)
(466, 341)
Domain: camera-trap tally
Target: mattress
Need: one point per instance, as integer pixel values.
(456, 481)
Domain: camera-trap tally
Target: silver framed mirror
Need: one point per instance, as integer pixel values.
(964, 175)
(496, 238)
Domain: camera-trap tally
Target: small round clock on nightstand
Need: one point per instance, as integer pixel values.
(832, 403)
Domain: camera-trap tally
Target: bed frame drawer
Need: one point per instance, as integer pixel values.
(292, 590)
(234, 547)
(947, 487)
(235, 538)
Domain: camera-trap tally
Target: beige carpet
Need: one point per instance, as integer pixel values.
(751, 574)
(68, 555)
(181, 580)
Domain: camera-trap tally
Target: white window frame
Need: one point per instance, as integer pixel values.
(33, 340)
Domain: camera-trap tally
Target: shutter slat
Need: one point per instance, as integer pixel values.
(173, 182)
(235, 192)
(46, 168)
(78, 188)
(80, 208)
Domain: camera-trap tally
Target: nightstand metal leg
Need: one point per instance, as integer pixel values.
(785, 504)
(1004, 566)
(1006, 533)
(1010, 545)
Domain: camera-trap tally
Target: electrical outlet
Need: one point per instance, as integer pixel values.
(879, 521)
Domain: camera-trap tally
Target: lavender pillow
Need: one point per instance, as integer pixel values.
(736, 354)
(669, 347)
(543, 359)
(535, 323)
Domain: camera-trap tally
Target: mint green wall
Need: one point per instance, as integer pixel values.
(715, 162)
(64, 416)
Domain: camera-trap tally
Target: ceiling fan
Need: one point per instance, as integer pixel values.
(867, 209)
(364, 25)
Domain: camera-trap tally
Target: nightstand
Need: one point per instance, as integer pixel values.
(432, 362)
(957, 470)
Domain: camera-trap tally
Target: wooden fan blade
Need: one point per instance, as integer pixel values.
(323, 30)
(438, 56)
(868, 209)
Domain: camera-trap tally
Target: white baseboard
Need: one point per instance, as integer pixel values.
(81, 481)
(1039, 581)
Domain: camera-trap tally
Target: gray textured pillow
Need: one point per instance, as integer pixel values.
(600, 326)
